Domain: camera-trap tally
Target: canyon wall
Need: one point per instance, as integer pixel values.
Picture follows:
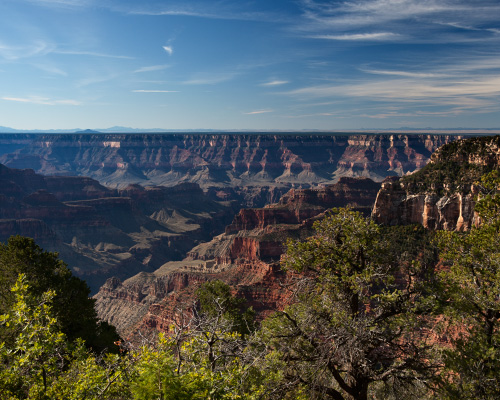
(102, 232)
(246, 257)
(253, 169)
(397, 206)
(442, 195)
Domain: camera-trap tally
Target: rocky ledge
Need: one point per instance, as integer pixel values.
(441, 195)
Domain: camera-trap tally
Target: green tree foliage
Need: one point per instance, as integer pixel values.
(41, 364)
(354, 327)
(155, 375)
(38, 351)
(363, 324)
(488, 205)
(470, 287)
(216, 301)
(214, 350)
(44, 271)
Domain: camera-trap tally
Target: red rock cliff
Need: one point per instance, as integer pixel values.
(246, 257)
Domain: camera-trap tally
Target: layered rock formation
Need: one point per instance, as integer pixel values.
(120, 231)
(102, 232)
(396, 206)
(300, 204)
(254, 169)
(246, 256)
(441, 195)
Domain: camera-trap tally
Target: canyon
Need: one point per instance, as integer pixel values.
(246, 256)
(101, 232)
(145, 219)
(252, 169)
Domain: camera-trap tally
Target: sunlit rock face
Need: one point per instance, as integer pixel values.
(255, 169)
(246, 257)
(394, 206)
(443, 194)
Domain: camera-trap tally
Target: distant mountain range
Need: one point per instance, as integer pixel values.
(113, 129)
(124, 129)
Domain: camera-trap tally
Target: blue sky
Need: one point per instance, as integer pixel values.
(243, 64)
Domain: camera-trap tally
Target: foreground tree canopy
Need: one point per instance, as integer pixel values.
(370, 318)
(470, 297)
(43, 271)
(358, 325)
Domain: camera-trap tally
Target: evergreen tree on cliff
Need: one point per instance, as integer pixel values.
(44, 271)
(471, 294)
(355, 331)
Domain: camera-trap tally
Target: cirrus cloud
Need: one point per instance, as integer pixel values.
(154, 91)
(360, 36)
(274, 83)
(42, 100)
(151, 68)
(258, 112)
(354, 19)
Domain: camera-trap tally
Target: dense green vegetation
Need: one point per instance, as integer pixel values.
(43, 271)
(371, 319)
(469, 296)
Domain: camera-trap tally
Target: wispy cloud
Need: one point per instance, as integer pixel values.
(51, 69)
(485, 64)
(210, 11)
(180, 12)
(42, 100)
(419, 113)
(168, 49)
(61, 3)
(394, 114)
(448, 85)
(92, 54)
(94, 80)
(211, 79)
(154, 91)
(472, 92)
(274, 83)
(353, 19)
(258, 112)
(360, 36)
(35, 49)
(152, 68)
(39, 48)
(401, 73)
(220, 10)
(367, 12)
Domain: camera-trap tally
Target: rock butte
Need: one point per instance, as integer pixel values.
(448, 205)
(246, 256)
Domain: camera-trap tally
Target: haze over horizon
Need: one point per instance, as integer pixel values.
(255, 65)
